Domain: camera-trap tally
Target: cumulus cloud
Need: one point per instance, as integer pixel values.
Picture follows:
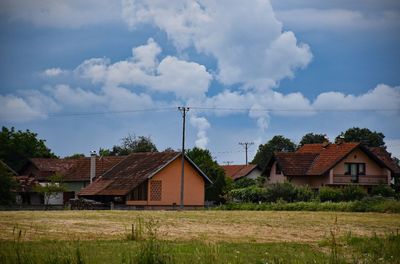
(247, 42)
(60, 14)
(30, 105)
(382, 97)
(184, 79)
(202, 125)
(53, 72)
(337, 19)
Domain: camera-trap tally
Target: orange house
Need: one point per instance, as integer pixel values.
(147, 180)
(340, 164)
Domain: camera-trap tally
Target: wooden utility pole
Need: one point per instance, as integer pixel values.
(246, 147)
(183, 110)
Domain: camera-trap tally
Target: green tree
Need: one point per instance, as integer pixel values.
(210, 167)
(276, 144)
(52, 188)
(7, 184)
(363, 135)
(18, 146)
(130, 144)
(311, 138)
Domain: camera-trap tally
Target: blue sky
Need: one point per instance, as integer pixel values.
(329, 65)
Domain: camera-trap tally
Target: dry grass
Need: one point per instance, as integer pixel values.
(230, 226)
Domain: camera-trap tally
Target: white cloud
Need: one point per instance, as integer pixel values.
(381, 97)
(337, 19)
(70, 14)
(184, 79)
(17, 109)
(53, 72)
(202, 125)
(247, 41)
(75, 97)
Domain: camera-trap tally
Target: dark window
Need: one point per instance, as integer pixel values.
(140, 192)
(354, 169)
(277, 169)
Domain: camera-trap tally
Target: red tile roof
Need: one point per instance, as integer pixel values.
(386, 158)
(238, 171)
(129, 173)
(318, 159)
(329, 156)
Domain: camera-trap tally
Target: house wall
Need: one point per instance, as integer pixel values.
(273, 177)
(358, 156)
(254, 174)
(170, 177)
(56, 199)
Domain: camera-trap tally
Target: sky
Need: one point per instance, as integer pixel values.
(84, 74)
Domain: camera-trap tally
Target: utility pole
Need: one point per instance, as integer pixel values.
(246, 147)
(183, 110)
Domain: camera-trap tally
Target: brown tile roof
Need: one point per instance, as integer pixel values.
(238, 171)
(48, 167)
(129, 173)
(81, 170)
(73, 169)
(295, 164)
(318, 159)
(386, 158)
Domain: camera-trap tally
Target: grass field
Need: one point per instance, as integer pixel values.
(191, 236)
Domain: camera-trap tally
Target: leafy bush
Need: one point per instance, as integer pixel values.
(383, 190)
(281, 191)
(329, 194)
(365, 205)
(251, 194)
(353, 193)
(304, 194)
(243, 183)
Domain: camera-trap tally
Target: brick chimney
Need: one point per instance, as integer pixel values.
(93, 156)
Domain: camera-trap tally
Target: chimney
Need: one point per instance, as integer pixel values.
(92, 165)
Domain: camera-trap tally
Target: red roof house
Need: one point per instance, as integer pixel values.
(236, 172)
(149, 180)
(317, 165)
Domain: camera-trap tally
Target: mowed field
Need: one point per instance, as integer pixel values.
(213, 226)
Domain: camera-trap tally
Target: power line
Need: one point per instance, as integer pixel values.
(112, 112)
(298, 109)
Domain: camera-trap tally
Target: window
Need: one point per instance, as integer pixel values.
(277, 169)
(155, 190)
(354, 169)
(140, 192)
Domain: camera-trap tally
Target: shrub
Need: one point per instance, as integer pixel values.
(243, 183)
(251, 194)
(281, 191)
(304, 194)
(383, 190)
(353, 193)
(329, 194)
